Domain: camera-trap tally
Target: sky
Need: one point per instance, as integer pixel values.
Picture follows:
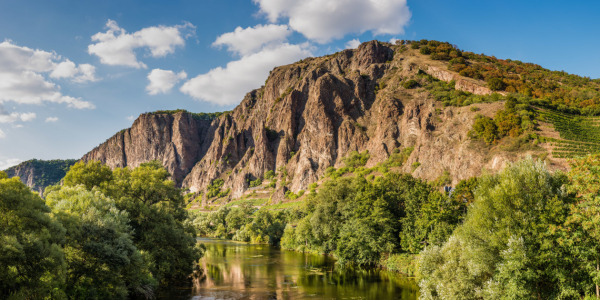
(74, 72)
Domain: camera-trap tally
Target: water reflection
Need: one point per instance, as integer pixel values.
(241, 271)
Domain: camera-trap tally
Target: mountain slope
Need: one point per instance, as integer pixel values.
(38, 174)
(312, 114)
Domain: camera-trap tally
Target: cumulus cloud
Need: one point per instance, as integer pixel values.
(245, 41)
(352, 44)
(7, 163)
(15, 117)
(51, 119)
(2, 135)
(162, 81)
(25, 73)
(117, 47)
(324, 20)
(68, 69)
(227, 85)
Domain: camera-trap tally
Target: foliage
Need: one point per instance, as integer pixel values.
(582, 228)
(199, 116)
(243, 224)
(91, 174)
(293, 196)
(496, 84)
(31, 258)
(398, 157)
(556, 90)
(255, 183)
(355, 159)
(214, 189)
(506, 248)
(102, 260)
(46, 172)
(357, 220)
(269, 175)
(410, 84)
(156, 212)
(512, 121)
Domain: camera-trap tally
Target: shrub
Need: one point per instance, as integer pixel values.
(410, 84)
(356, 159)
(269, 174)
(496, 84)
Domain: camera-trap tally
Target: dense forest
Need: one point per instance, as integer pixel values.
(95, 236)
(524, 233)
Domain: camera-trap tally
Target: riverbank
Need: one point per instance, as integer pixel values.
(236, 270)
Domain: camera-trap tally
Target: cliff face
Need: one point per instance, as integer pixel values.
(38, 174)
(308, 117)
(177, 140)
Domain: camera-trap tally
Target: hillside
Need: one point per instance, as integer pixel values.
(417, 98)
(38, 174)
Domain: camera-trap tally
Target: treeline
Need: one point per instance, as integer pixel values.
(524, 233)
(102, 234)
(359, 221)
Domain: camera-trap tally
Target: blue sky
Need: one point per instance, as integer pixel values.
(72, 73)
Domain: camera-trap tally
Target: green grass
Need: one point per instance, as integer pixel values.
(284, 205)
(253, 202)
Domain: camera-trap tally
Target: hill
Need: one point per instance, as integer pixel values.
(421, 107)
(38, 174)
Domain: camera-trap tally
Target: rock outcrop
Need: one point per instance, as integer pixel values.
(308, 117)
(177, 140)
(38, 174)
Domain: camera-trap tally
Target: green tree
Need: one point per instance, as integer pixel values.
(496, 84)
(485, 128)
(90, 174)
(31, 259)
(582, 229)
(102, 260)
(156, 211)
(507, 247)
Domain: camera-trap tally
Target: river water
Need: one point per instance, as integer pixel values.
(243, 271)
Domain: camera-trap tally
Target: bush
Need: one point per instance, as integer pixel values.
(269, 175)
(355, 159)
(496, 84)
(410, 84)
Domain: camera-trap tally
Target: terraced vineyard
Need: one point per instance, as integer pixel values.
(579, 135)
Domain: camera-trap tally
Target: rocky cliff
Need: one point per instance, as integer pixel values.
(38, 174)
(177, 139)
(309, 116)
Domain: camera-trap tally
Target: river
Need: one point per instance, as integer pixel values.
(243, 271)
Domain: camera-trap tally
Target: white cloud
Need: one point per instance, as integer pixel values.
(51, 119)
(228, 85)
(24, 76)
(68, 69)
(2, 135)
(116, 46)
(162, 81)
(7, 163)
(245, 41)
(15, 117)
(352, 44)
(324, 20)
(130, 118)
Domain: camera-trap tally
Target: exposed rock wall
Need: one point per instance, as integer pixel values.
(308, 117)
(177, 140)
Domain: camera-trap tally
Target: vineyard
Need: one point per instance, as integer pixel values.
(579, 135)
